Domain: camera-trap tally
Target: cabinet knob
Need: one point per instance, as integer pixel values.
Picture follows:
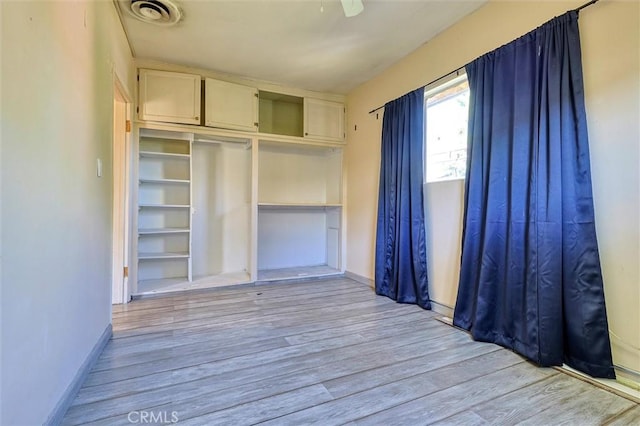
(197, 118)
(306, 133)
(255, 124)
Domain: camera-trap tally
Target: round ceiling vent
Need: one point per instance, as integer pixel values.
(159, 12)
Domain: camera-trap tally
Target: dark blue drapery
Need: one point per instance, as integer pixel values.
(401, 259)
(530, 277)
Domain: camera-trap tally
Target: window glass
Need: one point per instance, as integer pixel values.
(447, 111)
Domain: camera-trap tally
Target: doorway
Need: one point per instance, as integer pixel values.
(121, 169)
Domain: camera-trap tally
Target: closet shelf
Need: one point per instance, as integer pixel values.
(153, 256)
(171, 155)
(161, 231)
(164, 206)
(294, 205)
(163, 181)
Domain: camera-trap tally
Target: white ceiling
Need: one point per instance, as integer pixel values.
(293, 43)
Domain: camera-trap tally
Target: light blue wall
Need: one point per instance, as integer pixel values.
(57, 106)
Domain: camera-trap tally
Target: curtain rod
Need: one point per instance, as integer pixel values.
(457, 70)
(586, 5)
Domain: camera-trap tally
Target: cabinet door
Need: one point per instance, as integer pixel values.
(323, 119)
(169, 97)
(231, 106)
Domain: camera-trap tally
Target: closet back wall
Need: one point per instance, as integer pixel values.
(611, 61)
(221, 208)
(291, 238)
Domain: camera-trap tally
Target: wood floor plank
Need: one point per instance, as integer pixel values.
(627, 418)
(211, 350)
(222, 341)
(271, 290)
(241, 331)
(354, 406)
(187, 315)
(226, 371)
(218, 392)
(140, 344)
(252, 315)
(465, 418)
(239, 414)
(216, 307)
(389, 391)
(184, 365)
(206, 352)
(591, 407)
(283, 383)
(319, 352)
(202, 354)
(528, 401)
(264, 409)
(451, 400)
(460, 366)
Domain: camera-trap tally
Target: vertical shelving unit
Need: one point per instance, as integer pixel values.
(164, 209)
(299, 210)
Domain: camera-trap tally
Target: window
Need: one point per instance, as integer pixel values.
(446, 117)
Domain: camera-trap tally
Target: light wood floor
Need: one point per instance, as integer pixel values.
(323, 352)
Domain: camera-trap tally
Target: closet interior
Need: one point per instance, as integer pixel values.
(234, 184)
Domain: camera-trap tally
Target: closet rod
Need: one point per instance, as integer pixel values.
(457, 70)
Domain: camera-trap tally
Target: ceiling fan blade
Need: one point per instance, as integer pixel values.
(352, 7)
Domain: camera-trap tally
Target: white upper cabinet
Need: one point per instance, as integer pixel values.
(323, 119)
(170, 97)
(231, 106)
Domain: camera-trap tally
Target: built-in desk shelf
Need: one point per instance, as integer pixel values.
(300, 272)
(297, 205)
(299, 211)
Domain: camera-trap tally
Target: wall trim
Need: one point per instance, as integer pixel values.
(441, 309)
(359, 278)
(55, 418)
(614, 386)
(437, 307)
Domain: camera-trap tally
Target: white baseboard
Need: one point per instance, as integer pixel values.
(437, 307)
(55, 418)
(613, 386)
(441, 309)
(359, 278)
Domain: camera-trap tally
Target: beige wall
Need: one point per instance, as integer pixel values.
(611, 49)
(57, 107)
(443, 214)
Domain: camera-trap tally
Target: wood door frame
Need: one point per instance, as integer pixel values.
(121, 194)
